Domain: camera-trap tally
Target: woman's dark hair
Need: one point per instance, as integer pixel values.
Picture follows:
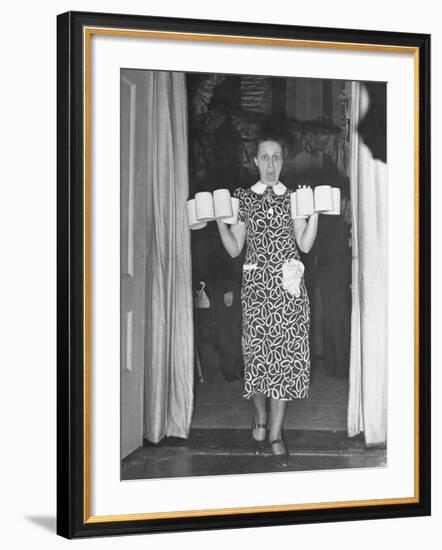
(271, 136)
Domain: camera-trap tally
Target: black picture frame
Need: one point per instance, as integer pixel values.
(73, 518)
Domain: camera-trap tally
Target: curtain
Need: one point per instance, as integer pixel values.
(355, 419)
(368, 353)
(168, 388)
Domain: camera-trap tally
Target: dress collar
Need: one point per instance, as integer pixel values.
(260, 187)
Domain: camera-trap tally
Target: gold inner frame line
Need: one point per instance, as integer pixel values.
(87, 33)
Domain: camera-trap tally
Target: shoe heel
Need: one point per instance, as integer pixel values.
(280, 460)
(258, 445)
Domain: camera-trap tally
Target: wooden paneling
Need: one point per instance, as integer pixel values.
(305, 98)
(222, 406)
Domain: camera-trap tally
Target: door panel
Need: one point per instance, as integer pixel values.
(132, 267)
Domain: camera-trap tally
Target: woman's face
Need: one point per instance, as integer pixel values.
(269, 162)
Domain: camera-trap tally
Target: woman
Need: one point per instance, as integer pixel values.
(276, 312)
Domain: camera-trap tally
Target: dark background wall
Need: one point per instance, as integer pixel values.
(226, 114)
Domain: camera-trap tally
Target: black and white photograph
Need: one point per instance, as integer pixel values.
(253, 274)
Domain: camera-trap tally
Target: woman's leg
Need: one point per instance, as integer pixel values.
(277, 412)
(260, 417)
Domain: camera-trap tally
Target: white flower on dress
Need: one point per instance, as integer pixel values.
(292, 272)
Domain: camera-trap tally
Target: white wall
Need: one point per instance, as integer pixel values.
(27, 224)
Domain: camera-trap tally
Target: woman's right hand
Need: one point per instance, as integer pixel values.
(233, 237)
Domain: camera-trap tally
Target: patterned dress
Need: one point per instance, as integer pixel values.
(275, 337)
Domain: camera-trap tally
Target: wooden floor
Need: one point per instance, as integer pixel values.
(220, 444)
(220, 405)
(228, 451)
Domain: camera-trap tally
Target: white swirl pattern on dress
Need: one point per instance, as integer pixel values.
(275, 337)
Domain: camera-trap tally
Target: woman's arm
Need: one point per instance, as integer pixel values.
(233, 238)
(305, 232)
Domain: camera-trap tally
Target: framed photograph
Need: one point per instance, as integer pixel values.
(243, 274)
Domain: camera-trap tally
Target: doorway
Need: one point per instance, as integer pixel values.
(225, 114)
